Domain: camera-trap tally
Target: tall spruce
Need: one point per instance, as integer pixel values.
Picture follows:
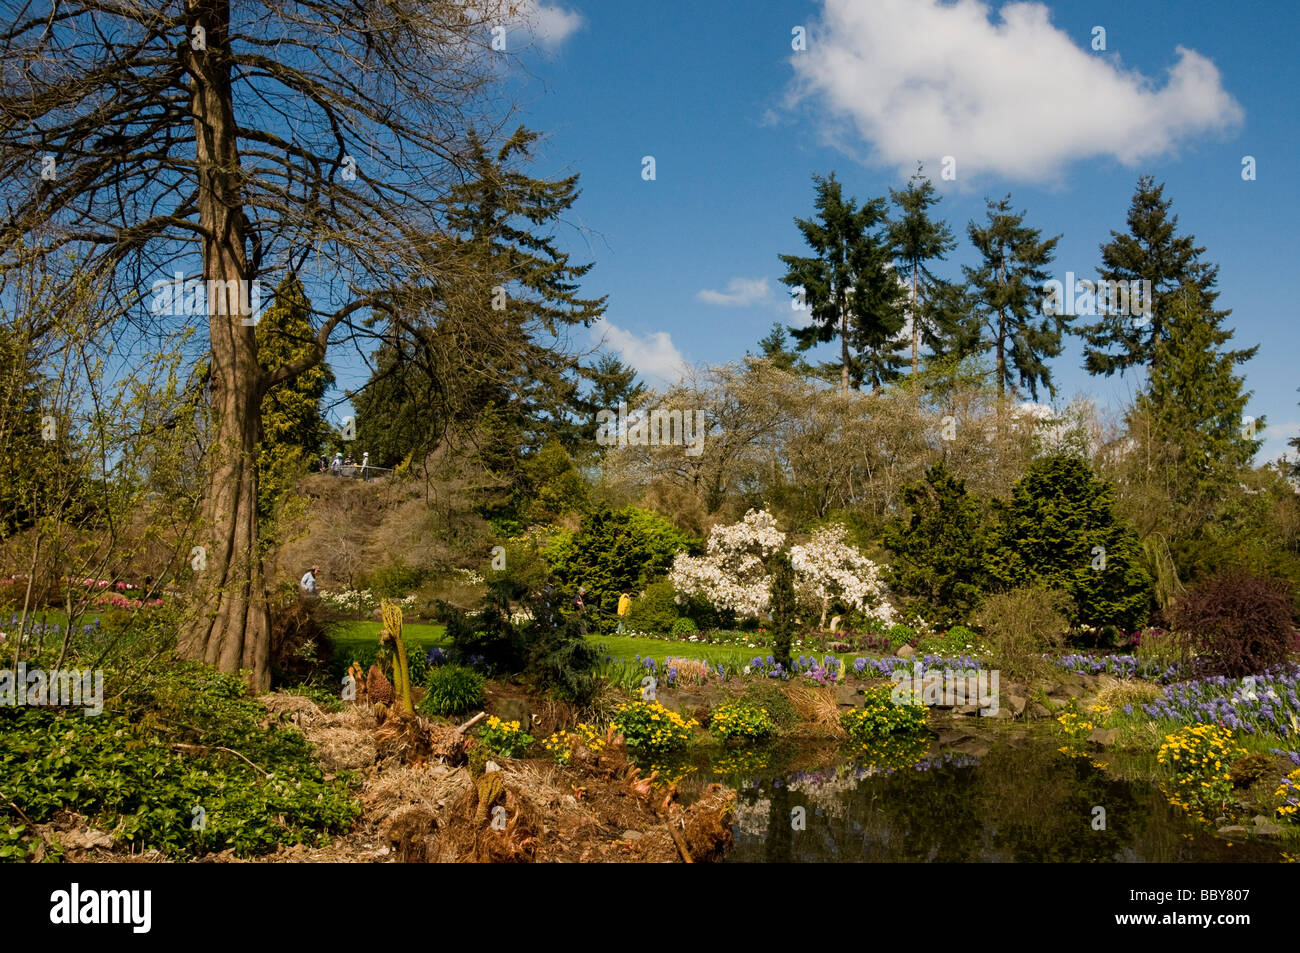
(611, 382)
(1195, 408)
(1008, 292)
(849, 285)
(1151, 251)
(918, 239)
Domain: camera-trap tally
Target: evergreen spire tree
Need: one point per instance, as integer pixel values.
(918, 239)
(774, 348)
(294, 429)
(1151, 251)
(1195, 406)
(849, 285)
(1007, 287)
(612, 382)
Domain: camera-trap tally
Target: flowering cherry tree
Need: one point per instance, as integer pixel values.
(828, 567)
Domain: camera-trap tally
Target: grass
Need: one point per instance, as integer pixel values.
(346, 634)
(625, 647)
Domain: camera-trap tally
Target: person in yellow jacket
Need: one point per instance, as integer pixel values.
(624, 607)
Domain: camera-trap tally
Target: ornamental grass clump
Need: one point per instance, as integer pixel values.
(880, 717)
(505, 738)
(1199, 758)
(453, 689)
(740, 721)
(650, 728)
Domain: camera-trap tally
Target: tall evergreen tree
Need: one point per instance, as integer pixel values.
(918, 239)
(1195, 407)
(1008, 287)
(849, 286)
(1151, 251)
(500, 218)
(294, 429)
(782, 600)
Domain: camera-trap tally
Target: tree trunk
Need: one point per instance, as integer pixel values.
(915, 333)
(844, 350)
(229, 626)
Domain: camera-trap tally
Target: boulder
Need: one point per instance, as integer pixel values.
(1038, 710)
(1017, 704)
(1103, 736)
(1232, 830)
(1264, 827)
(847, 695)
(905, 651)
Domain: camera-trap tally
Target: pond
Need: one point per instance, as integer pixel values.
(994, 795)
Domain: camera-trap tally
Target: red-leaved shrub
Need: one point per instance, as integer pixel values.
(1236, 624)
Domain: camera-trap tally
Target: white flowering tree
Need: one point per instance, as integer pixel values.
(828, 567)
(732, 573)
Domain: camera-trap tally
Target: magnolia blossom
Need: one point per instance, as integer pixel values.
(827, 567)
(732, 573)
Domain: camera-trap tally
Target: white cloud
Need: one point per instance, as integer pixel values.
(740, 292)
(654, 355)
(923, 79)
(550, 25)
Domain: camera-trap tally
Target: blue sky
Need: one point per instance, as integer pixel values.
(738, 123)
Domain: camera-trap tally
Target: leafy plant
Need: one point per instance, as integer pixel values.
(1235, 624)
(879, 717)
(740, 721)
(1198, 759)
(505, 738)
(1021, 625)
(783, 610)
(651, 729)
(453, 689)
(684, 626)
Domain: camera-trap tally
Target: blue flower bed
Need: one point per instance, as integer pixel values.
(1120, 666)
(1268, 703)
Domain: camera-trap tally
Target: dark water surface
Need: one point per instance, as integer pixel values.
(1005, 796)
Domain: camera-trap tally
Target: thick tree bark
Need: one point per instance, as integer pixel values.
(229, 626)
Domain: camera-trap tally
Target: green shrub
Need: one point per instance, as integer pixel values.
(739, 721)
(685, 626)
(651, 729)
(1021, 625)
(453, 690)
(656, 610)
(768, 696)
(879, 717)
(393, 581)
(1158, 646)
(899, 634)
(1059, 530)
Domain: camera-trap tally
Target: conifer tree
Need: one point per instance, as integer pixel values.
(918, 239)
(849, 285)
(939, 551)
(294, 430)
(783, 609)
(1007, 288)
(1151, 251)
(1195, 408)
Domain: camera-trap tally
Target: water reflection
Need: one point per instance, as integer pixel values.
(1005, 799)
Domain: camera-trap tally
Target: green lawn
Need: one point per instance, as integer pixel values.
(348, 634)
(626, 647)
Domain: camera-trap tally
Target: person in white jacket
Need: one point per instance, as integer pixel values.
(308, 581)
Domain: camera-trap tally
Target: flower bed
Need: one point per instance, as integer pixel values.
(1260, 704)
(1120, 666)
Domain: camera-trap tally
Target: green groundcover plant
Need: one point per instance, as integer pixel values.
(879, 717)
(181, 763)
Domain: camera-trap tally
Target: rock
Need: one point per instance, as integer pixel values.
(1265, 827)
(85, 840)
(1073, 690)
(905, 651)
(1038, 710)
(630, 835)
(1017, 704)
(491, 766)
(1232, 830)
(966, 710)
(954, 736)
(1001, 712)
(1103, 736)
(846, 695)
(377, 615)
(514, 709)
